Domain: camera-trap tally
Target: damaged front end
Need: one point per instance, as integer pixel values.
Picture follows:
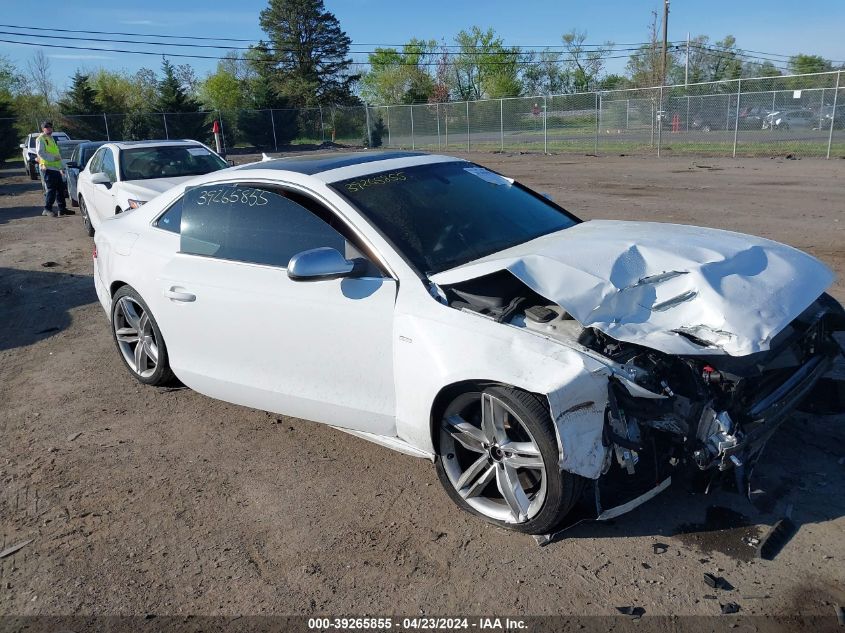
(715, 413)
(708, 414)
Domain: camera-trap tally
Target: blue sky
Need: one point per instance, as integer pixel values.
(776, 26)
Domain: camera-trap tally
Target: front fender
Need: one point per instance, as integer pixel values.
(433, 353)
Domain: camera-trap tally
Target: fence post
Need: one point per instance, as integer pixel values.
(222, 131)
(389, 142)
(164, 118)
(545, 126)
(437, 106)
(687, 119)
(106, 121)
(652, 121)
(446, 121)
(833, 113)
(273, 124)
(413, 141)
(736, 119)
(322, 129)
(661, 113)
(598, 121)
(468, 129)
(627, 112)
(502, 122)
(369, 132)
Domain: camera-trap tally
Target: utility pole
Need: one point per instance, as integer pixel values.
(665, 38)
(686, 66)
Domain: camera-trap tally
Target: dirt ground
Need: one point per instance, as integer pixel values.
(161, 501)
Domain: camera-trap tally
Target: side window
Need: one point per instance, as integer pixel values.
(108, 165)
(74, 157)
(251, 225)
(171, 220)
(96, 161)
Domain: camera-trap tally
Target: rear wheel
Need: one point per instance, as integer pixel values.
(86, 221)
(498, 458)
(32, 171)
(138, 338)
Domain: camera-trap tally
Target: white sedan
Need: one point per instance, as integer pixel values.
(440, 309)
(124, 175)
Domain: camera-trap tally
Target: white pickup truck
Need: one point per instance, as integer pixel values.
(30, 163)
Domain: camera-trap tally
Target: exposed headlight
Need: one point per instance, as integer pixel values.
(134, 204)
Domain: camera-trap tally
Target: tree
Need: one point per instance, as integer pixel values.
(442, 87)
(80, 99)
(11, 81)
(39, 75)
(221, 90)
(307, 53)
(183, 118)
(544, 74)
(645, 66)
(484, 67)
(584, 64)
(801, 64)
(399, 77)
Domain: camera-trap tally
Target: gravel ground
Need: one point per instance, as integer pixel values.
(140, 500)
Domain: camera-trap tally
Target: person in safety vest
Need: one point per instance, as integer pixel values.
(51, 164)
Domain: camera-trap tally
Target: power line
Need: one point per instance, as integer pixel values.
(271, 61)
(535, 48)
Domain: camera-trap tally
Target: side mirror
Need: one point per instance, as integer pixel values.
(320, 263)
(100, 178)
(22, 146)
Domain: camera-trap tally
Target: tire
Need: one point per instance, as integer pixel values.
(33, 173)
(86, 221)
(133, 325)
(475, 471)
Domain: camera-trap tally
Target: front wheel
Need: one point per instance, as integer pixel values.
(498, 458)
(138, 338)
(86, 221)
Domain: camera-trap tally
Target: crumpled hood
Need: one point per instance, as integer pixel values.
(146, 190)
(674, 288)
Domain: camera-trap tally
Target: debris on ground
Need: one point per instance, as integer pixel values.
(730, 607)
(73, 436)
(717, 582)
(14, 548)
(776, 538)
(50, 264)
(635, 612)
(660, 548)
(840, 614)
(751, 541)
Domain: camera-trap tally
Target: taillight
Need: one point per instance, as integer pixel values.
(94, 254)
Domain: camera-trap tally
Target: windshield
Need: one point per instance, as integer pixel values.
(447, 214)
(66, 149)
(170, 161)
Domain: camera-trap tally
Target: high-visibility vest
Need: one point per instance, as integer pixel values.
(52, 148)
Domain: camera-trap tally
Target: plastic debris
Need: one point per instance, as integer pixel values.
(635, 612)
(730, 607)
(660, 548)
(776, 538)
(14, 548)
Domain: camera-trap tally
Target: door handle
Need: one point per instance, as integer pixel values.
(175, 294)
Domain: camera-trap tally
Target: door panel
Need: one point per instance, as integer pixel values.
(320, 350)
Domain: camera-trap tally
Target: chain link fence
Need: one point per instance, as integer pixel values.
(800, 114)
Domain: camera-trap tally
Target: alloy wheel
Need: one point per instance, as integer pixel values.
(491, 459)
(135, 336)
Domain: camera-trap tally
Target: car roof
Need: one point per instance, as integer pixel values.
(319, 163)
(158, 143)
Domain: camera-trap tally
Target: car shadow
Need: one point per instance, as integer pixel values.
(10, 214)
(798, 476)
(35, 305)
